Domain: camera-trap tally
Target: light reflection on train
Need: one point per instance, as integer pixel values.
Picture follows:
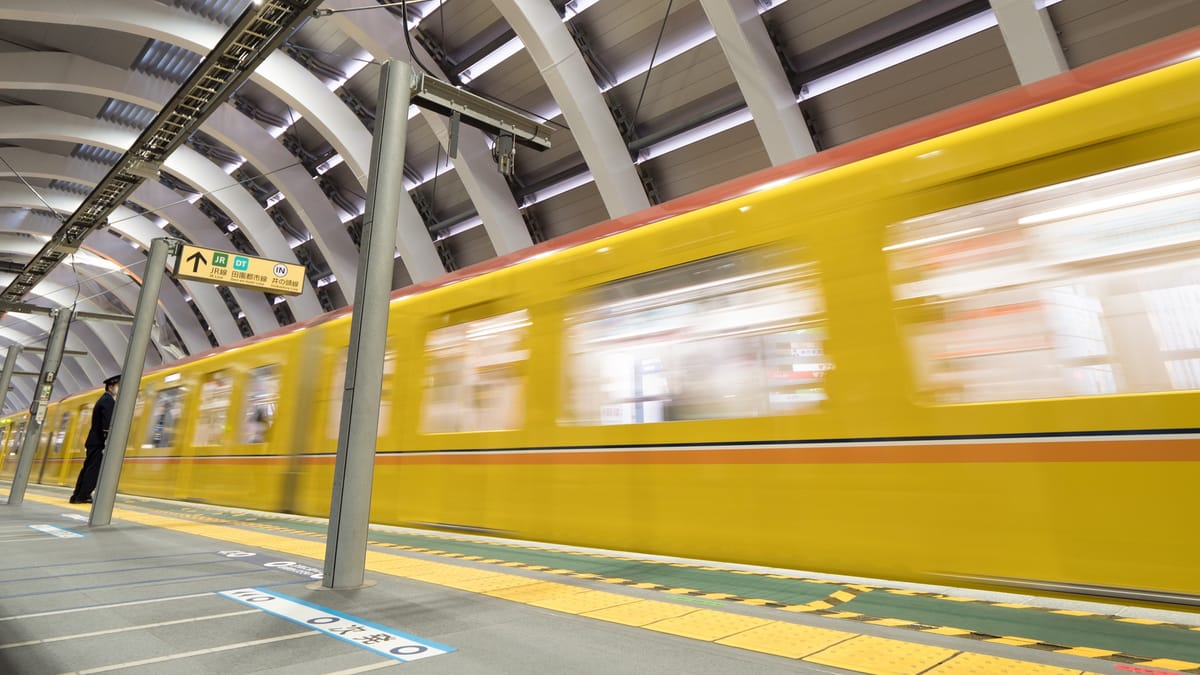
(949, 375)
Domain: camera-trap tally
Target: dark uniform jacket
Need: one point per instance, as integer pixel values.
(101, 421)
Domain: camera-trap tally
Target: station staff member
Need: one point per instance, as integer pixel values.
(97, 435)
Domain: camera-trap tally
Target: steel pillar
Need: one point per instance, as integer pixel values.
(354, 470)
(131, 377)
(41, 399)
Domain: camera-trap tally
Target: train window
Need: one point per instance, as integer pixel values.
(1084, 288)
(475, 377)
(15, 440)
(83, 424)
(61, 434)
(337, 387)
(737, 335)
(164, 417)
(262, 395)
(211, 422)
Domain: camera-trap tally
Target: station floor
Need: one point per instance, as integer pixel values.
(181, 588)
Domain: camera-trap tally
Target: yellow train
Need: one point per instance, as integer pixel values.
(965, 349)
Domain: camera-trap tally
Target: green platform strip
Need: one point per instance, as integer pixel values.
(980, 620)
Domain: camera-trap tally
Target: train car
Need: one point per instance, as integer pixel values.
(965, 350)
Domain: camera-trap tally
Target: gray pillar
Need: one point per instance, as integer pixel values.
(41, 399)
(354, 470)
(131, 377)
(10, 362)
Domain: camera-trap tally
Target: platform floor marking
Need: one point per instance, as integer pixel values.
(373, 637)
(108, 606)
(198, 652)
(399, 566)
(125, 629)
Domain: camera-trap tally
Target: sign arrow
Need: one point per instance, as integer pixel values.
(197, 259)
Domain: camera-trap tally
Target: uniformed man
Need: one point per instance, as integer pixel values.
(97, 435)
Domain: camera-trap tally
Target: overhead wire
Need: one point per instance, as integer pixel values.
(661, 29)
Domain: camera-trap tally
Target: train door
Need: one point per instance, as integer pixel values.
(73, 451)
(212, 434)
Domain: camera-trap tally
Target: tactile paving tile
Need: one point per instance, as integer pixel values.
(1169, 663)
(540, 590)
(588, 601)
(980, 664)
(881, 656)
(641, 612)
(491, 582)
(786, 639)
(706, 624)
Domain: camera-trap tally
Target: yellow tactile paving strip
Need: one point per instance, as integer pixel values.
(847, 650)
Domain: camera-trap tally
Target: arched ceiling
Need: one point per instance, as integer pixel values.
(650, 100)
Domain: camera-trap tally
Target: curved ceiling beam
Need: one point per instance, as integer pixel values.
(31, 121)
(71, 376)
(751, 56)
(575, 91)
(113, 337)
(181, 316)
(58, 71)
(155, 197)
(61, 288)
(140, 230)
(278, 74)
(488, 191)
(32, 330)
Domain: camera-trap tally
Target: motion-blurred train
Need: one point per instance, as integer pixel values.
(963, 350)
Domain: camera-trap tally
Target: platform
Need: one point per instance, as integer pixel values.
(176, 587)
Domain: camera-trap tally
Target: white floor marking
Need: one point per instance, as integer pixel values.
(198, 652)
(116, 604)
(364, 669)
(125, 629)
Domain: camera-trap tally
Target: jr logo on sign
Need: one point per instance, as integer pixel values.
(220, 259)
(241, 264)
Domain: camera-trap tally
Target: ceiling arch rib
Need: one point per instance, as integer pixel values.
(384, 39)
(32, 330)
(79, 370)
(575, 91)
(60, 71)
(278, 74)
(761, 79)
(34, 164)
(47, 123)
(140, 231)
(154, 197)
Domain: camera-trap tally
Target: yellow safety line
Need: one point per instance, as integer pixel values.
(851, 651)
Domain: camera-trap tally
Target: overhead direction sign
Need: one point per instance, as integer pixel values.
(234, 269)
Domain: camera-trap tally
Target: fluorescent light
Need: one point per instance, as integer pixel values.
(458, 228)
(1127, 199)
(719, 125)
(930, 240)
(329, 164)
(558, 188)
(492, 60)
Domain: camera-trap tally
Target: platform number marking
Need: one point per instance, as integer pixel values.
(384, 641)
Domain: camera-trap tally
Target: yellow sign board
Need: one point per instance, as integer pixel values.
(235, 269)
